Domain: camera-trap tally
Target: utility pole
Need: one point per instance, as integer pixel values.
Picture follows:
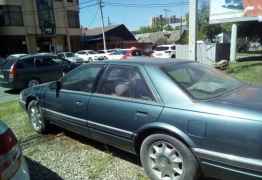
(66, 22)
(233, 44)
(102, 22)
(108, 21)
(193, 29)
(166, 15)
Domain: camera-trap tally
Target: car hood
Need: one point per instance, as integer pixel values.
(249, 97)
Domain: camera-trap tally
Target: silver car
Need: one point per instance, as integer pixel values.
(12, 163)
(70, 57)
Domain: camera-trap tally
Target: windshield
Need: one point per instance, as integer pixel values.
(161, 48)
(69, 55)
(201, 82)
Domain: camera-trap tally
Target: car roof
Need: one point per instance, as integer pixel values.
(17, 55)
(167, 45)
(147, 61)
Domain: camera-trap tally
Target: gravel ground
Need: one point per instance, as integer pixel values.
(71, 157)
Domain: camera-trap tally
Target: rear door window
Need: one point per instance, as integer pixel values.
(26, 63)
(45, 61)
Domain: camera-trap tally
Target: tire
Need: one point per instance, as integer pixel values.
(32, 83)
(36, 117)
(173, 56)
(176, 161)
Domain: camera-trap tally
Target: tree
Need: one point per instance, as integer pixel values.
(207, 31)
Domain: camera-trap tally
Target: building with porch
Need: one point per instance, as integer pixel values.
(30, 26)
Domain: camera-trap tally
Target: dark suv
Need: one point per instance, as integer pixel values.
(32, 70)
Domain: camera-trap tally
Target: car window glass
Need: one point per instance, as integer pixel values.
(81, 79)
(45, 61)
(125, 82)
(26, 63)
(173, 47)
(181, 75)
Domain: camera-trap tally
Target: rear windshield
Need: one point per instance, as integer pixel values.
(201, 82)
(9, 63)
(161, 48)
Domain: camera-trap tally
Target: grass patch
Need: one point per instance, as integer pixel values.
(250, 72)
(15, 117)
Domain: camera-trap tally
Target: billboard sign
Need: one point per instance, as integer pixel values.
(222, 11)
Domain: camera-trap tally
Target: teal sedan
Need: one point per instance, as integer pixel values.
(184, 120)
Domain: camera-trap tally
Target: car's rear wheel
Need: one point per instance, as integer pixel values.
(36, 117)
(33, 82)
(166, 158)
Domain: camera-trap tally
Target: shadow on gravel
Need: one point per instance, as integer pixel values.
(13, 91)
(110, 150)
(39, 172)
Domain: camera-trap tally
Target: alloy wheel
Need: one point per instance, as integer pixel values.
(165, 161)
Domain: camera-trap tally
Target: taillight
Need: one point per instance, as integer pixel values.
(10, 155)
(7, 142)
(12, 72)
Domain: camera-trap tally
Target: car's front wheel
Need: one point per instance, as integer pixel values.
(164, 157)
(36, 118)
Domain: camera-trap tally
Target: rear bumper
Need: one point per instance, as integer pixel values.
(23, 172)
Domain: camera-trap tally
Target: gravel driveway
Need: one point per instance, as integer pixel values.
(72, 157)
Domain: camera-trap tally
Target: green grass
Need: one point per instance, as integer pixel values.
(15, 117)
(250, 72)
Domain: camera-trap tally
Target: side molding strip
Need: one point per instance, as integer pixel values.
(232, 160)
(89, 122)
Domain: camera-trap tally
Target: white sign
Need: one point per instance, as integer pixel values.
(222, 11)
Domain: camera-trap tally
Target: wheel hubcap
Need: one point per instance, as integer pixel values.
(35, 117)
(165, 161)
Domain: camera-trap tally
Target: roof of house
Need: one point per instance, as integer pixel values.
(98, 31)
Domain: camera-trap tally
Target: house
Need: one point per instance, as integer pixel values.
(116, 37)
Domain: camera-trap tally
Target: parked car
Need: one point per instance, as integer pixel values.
(70, 57)
(183, 119)
(133, 52)
(12, 163)
(106, 53)
(118, 55)
(32, 70)
(10, 57)
(89, 55)
(165, 51)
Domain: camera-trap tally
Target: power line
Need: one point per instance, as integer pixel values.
(148, 5)
(94, 18)
(62, 9)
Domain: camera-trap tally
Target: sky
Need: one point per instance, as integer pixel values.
(132, 17)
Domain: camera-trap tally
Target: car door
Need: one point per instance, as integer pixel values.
(48, 69)
(123, 103)
(69, 107)
(26, 71)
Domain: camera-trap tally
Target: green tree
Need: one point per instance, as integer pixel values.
(207, 31)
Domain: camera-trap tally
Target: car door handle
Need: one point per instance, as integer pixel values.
(141, 113)
(79, 103)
